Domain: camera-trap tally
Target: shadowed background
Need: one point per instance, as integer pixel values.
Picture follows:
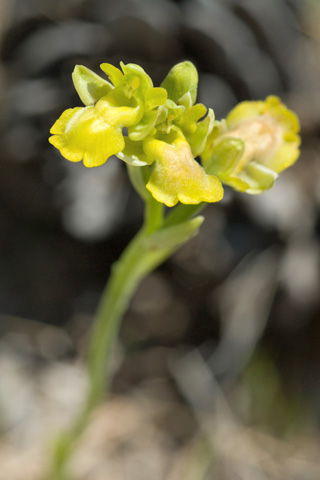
(233, 316)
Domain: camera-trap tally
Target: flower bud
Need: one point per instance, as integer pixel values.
(182, 81)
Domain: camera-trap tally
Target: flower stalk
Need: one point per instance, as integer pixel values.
(152, 245)
(166, 131)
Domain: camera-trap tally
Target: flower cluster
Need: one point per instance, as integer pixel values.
(166, 130)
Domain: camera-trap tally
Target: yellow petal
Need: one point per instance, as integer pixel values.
(154, 97)
(80, 134)
(177, 176)
(114, 73)
(93, 133)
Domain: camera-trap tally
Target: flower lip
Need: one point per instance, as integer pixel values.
(94, 133)
(176, 175)
(261, 136)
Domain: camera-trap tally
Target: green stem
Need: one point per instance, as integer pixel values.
(137, 261)
(148, 249)
(182, 213)
(153, 215)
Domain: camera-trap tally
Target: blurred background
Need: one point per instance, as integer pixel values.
(216, 373)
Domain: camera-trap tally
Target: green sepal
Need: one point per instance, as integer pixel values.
(89, 86)
(181, 79)
(222, 158)
(236, 183)
(174, 110)
(198, 139)
(259, 177)
(186, 101)
(162, 114)
(133, 153)
(172, 237)
(144, 127)
(188, 121)
(168, 114)
(134, 70)
(195, 131)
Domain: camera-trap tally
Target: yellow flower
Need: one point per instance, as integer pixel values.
(94, 133)
(166, 130)
(176, 176)
(160, 132)
(256, 142)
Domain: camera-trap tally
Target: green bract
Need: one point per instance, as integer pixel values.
(166, 130)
